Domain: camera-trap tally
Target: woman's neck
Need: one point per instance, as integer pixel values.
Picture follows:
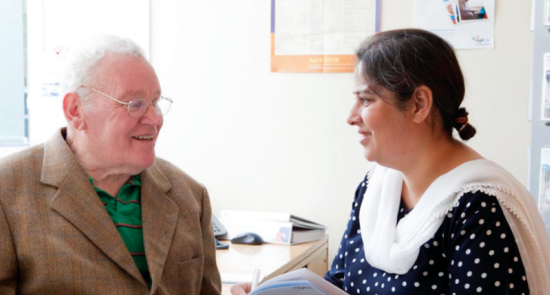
(436, 159)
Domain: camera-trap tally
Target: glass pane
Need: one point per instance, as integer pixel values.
(12, 73)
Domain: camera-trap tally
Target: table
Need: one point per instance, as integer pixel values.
(237, 263)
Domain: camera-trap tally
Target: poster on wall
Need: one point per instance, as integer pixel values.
(545, 100)
(320, 36)
(465, 24)
(51, 70)
(544, 181)
(546, 19)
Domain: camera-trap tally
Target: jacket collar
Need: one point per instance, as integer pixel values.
(77, 201)
(58, 159)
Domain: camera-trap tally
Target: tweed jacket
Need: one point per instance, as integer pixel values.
(56, 236)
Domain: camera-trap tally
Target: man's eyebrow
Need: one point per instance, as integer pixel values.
(136, 93)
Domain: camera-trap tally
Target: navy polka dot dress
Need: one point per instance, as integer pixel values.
(473, 252)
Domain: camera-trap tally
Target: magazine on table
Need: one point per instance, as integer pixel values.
(298, 282)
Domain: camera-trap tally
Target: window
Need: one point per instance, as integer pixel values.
(13, 95)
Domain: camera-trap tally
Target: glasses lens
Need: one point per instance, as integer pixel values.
(163, 105)
(137, 107)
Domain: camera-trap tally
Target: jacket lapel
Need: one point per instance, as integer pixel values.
(160, 216)
(77, 201)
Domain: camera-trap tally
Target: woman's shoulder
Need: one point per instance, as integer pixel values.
(475, 200)
(476, 213)
(473, 207)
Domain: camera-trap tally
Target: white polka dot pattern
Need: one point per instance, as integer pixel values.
(473, 252)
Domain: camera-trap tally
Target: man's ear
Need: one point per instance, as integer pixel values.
(422, 103)
(72, 109)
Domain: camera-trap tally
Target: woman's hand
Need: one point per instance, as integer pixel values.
(241, 289)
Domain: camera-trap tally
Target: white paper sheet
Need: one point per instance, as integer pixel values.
(546, 15)
(545, 99)
(466, 24)
(544, 180)
(328, 27)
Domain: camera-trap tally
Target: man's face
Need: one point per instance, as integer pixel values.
(115, 141)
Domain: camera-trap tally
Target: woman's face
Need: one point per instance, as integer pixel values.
(383, 128)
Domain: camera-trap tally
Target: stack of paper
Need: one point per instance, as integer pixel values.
(279, 228)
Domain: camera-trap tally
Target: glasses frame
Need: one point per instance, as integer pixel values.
(127, 104)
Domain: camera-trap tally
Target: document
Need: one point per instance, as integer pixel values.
(546, 19)
(465, 24)
(544, 180)
(298, 282)
(545, 100)
(320, 35)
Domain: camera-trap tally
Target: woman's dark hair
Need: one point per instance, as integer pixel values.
(402, 60)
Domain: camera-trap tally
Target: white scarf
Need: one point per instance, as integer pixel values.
(394, 249)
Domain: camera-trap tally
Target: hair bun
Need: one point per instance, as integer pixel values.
(465, 129)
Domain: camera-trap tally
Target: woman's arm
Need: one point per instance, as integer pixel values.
(336, 273)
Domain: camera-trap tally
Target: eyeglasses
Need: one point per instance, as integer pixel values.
(138, 107)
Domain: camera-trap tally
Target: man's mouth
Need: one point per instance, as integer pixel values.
(144, 137)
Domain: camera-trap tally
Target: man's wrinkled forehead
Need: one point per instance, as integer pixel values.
(118, 72)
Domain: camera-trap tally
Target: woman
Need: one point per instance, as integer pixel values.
(433, 216)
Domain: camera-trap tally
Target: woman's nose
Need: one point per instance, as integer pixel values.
(354, 115)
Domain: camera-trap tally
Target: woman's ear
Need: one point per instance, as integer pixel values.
(73, 111)
(422, 103)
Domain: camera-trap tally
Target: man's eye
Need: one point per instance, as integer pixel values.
(138, 103)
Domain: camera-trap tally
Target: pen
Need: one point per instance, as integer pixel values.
(255, 279)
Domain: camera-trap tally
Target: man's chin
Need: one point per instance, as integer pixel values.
(147, 161)
(144, 162)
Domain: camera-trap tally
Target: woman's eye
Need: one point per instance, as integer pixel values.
(365, 100)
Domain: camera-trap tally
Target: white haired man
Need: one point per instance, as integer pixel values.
(93, 210)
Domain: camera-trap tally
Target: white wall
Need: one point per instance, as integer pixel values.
(279, 142)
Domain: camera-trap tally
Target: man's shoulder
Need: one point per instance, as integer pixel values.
(23, 157)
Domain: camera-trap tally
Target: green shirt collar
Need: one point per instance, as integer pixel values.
(135, 180)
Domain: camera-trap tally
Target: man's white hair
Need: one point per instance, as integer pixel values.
(82, 59)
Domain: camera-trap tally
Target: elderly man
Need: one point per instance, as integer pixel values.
(92, 210)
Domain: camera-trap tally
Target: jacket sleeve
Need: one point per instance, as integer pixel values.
(211, 281)
(8, 264)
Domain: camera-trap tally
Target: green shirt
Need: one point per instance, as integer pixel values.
(125, 211)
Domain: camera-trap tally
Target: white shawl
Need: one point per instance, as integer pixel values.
(394, 249)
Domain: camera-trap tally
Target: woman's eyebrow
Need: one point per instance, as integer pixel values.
(364, 89)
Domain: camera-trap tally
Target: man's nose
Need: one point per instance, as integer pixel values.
(153, 115)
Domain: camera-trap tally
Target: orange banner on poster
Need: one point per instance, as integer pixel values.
(311, 63)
